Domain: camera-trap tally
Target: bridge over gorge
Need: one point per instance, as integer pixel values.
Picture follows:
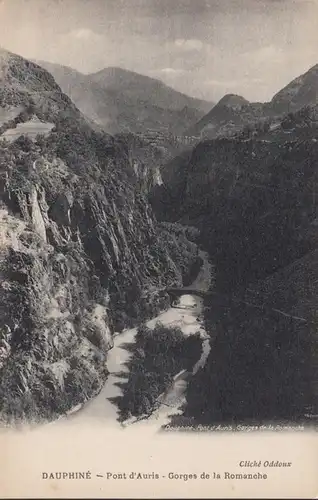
(176, 292)
(200, 288)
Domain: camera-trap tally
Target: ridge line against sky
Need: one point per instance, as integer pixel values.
(204, 48)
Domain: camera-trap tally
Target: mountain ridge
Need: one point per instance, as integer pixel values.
(125, 101)
(232, 113)
(301, 91)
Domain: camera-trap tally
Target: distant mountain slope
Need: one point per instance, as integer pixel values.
(124, 101)
(228, 116)
(302, 91)
(232, 113)
(90, 99)
(145, 89)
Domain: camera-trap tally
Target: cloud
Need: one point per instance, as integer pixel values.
(84, 34)
(72, 47)
(268, 53)
(221, 83)
(190, 44)
(171, 71)
(250, 47)
(233, 84)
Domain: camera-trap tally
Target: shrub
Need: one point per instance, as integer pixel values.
(159, 354)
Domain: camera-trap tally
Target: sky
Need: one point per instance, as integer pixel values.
(205, 48)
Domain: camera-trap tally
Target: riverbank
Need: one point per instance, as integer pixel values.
(187, 318)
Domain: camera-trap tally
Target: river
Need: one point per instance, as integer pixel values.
(187, 315)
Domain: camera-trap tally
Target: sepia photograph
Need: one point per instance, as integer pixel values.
(158, 248)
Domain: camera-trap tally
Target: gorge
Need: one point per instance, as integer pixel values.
(81, 253)
(100, 232)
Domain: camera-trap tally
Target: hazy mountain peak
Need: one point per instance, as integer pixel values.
(225, 117)
(232, 100)
(115, 75)
(122, 100)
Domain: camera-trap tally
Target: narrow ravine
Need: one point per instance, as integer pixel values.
(187, 316)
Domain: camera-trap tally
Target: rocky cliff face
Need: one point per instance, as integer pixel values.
(80, 251)
(146, 159)
(253, 201)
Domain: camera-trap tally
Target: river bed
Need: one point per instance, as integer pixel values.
(187, 315)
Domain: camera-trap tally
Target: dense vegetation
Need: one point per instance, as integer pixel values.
(254, 202)
(259, 370)
(157, 355)
(180, 241)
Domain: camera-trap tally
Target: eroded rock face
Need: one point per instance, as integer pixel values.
(72, 272)
(80, 253)
(54, 334)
